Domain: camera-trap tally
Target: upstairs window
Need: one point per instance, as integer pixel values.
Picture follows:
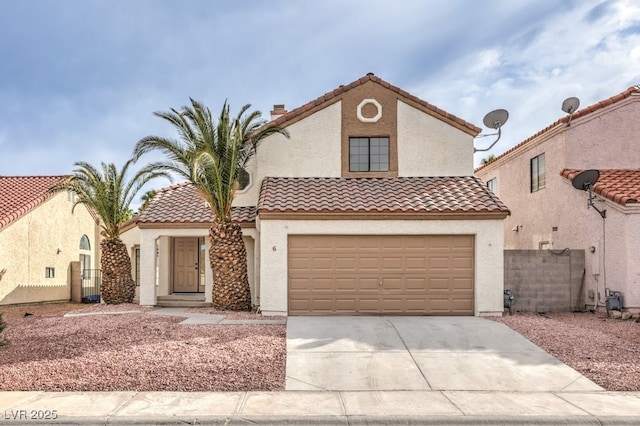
(492, 185)
(538, 180)
(369, 154)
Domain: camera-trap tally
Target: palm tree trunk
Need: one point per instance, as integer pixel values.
(117, 285)
(228, 256)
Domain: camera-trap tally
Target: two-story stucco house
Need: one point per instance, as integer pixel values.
(535, 180)
(370, 207)
(40, 237)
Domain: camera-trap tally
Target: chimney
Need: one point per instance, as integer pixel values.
(277, 111)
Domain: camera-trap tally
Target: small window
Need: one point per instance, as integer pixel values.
(84, 243)
(49, 272)
(244, 179)
(492, 185)
(538, 180)
(369, 154)
(136, 260)
(71, 196)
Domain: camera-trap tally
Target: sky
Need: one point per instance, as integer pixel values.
(80, 79)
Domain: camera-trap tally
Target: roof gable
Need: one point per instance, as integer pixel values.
(337, 94)
(618, 185)
(21, 194)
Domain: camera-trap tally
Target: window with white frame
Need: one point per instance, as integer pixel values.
(538, 180)
(492, 185)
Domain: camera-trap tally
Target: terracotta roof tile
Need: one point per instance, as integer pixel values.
(284, 119)
(21, 194)
(378, 195)
(181, 204)
(621, 186)
(580, 113)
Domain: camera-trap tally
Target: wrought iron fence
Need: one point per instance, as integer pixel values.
(91, 279)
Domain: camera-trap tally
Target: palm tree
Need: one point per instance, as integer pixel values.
(109, 194)
(146, 200)
(213, 155)
(488, 159)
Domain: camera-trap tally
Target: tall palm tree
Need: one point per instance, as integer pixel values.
(213, 155)
(109, 194)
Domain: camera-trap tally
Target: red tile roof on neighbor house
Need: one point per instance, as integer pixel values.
(181, 204)
(21, 194)
(580, 113)
(330, 97)
(465, 195)
(621, 186)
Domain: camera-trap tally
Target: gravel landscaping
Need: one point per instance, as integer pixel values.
(135, 351)
(123, 350)
(605, 350)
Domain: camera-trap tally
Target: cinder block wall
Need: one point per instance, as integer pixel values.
(545, 281)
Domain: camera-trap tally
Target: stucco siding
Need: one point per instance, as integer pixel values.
(606, 139)
(488, 253)
(312, 150)
(428, 146)
(47, 237)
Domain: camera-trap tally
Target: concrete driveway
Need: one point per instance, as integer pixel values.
(420, 353)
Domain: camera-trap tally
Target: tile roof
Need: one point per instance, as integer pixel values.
(621, 186)
(580, 113)
(21, 194)
(330, 97)
(397, 195)
(181, 204)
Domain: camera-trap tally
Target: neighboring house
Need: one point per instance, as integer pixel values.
(370, 207)
(39, 239)
(547, 212)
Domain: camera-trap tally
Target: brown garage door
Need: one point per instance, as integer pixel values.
(371, 274)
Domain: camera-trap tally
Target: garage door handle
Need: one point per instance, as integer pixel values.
(380, 283)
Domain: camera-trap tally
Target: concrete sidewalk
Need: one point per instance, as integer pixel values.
(322, 407)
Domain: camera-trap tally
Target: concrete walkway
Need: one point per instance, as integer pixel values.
(322, 407)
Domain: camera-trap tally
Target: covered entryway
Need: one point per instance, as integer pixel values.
(381, 274)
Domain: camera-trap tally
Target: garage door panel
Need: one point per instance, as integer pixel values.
(343, 275)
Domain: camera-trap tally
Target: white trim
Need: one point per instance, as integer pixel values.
(373, 119)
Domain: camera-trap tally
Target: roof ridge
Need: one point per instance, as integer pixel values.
(369, 77)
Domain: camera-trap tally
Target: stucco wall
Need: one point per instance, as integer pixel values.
(313, 149)
(48, 236)
(607, 138)
(488, 253)
(430, 147)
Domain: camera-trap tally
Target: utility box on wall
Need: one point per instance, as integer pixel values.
(545, 280)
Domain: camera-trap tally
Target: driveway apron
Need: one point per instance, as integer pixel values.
(420, 353)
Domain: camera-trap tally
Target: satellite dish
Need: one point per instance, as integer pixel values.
(496, 118)
(570, 105)
(585, 179)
